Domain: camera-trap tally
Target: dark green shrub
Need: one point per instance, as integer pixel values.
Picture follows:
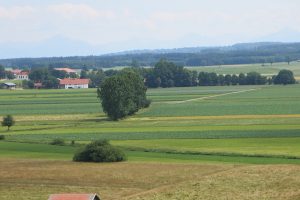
(58, 141)
(73, 142)
(99, 151)
(2, 137)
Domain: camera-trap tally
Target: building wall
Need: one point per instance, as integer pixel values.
(22, 77)
(77, 86)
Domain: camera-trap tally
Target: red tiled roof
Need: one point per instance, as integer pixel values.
(16, 71)
(73, 81)
(23, 73)
(74, 197)
(68, 70)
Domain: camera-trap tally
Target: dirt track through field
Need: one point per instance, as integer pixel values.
(212, 96)
(214, 117)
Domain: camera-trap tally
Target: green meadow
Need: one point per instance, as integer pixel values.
(244, 121)
(188, 143)
(267, 69)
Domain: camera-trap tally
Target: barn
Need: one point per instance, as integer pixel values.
(74, 83)
(8, 85)
(74, 197)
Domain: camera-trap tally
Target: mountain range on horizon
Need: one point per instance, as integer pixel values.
(60, 46)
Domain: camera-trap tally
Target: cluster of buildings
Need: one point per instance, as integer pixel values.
(66, 83)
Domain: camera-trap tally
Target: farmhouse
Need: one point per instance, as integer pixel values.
(20, 75)
(74, 83)
(74, 197)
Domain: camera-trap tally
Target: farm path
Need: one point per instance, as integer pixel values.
(213, 96)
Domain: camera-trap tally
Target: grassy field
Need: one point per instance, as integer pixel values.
(192, 139)
(198, 114)
(267, 69)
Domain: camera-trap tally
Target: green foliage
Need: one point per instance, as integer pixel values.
(58, 142)
(96, 77)
(285, 77)
(8, 121)
(100, 151)
(46, 77)
(9, 75)
(2, 72)
(27, 84)
(123, 94)
(2, 137)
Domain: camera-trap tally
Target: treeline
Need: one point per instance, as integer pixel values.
(164, 74)
(236, 54)
(167, 74)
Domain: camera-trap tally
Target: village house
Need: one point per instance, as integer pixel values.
(23, 76)
(74, 83)
(74, 197)
(20, 75)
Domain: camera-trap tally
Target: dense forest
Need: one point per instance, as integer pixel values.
(247, 53)
(237, 54)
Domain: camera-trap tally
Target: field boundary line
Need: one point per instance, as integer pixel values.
(217, 117)
(213, 96)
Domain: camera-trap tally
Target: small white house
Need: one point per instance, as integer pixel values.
(74, 83)
(22, 76)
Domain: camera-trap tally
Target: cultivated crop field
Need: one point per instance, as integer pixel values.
(266, 69)
(190, 141)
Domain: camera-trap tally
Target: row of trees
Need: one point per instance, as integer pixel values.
(167, 74)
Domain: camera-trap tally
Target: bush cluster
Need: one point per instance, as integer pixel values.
(99, 151)
(58, 141)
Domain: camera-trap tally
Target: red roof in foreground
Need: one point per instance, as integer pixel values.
(74, 81)
(74, 197)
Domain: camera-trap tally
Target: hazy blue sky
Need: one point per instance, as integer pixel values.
(147, 23)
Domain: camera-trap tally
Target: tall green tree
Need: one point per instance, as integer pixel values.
(123, 94)
(8, 121)
(285, 77)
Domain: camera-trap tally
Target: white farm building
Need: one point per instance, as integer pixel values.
(74, 83)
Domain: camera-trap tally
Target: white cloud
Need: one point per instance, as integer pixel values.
(15, 12)
(71, 11)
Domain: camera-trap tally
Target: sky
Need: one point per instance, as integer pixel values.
(117, 25)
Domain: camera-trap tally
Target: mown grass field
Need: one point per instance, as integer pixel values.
(266, 69)
(189, 141)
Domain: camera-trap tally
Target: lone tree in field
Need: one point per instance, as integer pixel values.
(8, 121)
(285, 77)
(123, 94)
